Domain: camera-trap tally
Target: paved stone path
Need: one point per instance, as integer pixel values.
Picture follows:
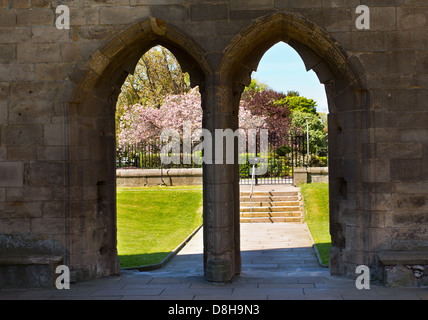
(278, 262)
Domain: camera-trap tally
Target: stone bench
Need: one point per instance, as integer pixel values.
(310, 175)
(405, 268)
(33, 271)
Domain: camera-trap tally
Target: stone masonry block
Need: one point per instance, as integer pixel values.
(399, 150)
(43, 34)
(422, 62)
(286, 4)
(31, 91)
(243, 15)
(227, 194)
(3, 112)
(14, 225)
(85, 16)
(52, 71)
(99, 63)
(21, 4)
(200, 12)
(251, 4)
(29, 194)
(408, 19)
(219, 240)
(4, 90)
(402, 62)
(95, 33)
(46, 173)
(333, 19)
(50, 226)
(21, 209)
(7, 53)
(53, 209)
(30, 52)
(122, 15)
(51, 153)
(381, 18)
(154, 2)
(7, 18)
(36, 17)
(27, 112)
(14, 35)
(23, 135)
(41, 3)
(170, 12)
(387, 3)
(3, 153)
(53, 134)
(11, 174)
(26, 153)
(340, 3)
(413, 135)
(17, 72)
(408, 170)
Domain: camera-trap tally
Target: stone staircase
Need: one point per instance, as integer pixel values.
(271, 206)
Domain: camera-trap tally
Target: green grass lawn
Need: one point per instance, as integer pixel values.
(316, 204)
(153, 221)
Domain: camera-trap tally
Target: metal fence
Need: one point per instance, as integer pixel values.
(283, 157)
(147, 155)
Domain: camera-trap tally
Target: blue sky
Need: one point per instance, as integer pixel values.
(282, 69)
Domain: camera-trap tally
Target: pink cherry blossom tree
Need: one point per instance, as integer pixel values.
(146, 123)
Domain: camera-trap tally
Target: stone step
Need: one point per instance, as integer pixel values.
(269, 198)
(269, 193)
(270, 209)
(270, 204)
(270, 214)
(272, 220)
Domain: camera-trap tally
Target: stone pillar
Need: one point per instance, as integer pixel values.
(221, 192)
(300, 175)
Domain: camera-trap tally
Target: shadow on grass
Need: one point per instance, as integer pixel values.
(324, 252)
(143, 261)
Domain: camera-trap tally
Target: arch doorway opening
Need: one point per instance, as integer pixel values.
(156, 210)
(347, 102)
(282, 81)
(93, 242)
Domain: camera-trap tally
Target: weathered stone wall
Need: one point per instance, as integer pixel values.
(57, 98)
(310, 175)
(158, 177)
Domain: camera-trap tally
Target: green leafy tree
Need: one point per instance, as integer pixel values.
(317, 131)
(293, 93)
(302, 108)
(298, 103)
(256, 86)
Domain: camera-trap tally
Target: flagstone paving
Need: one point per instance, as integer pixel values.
(278, 262)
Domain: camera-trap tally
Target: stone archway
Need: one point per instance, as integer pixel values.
(91, 217)
(91, 234)
(57, 170)
(348, 124)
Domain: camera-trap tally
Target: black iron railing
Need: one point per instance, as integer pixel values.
(283, 156)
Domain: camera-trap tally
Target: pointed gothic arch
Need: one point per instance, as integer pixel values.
(91, 200)
(348, 116)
